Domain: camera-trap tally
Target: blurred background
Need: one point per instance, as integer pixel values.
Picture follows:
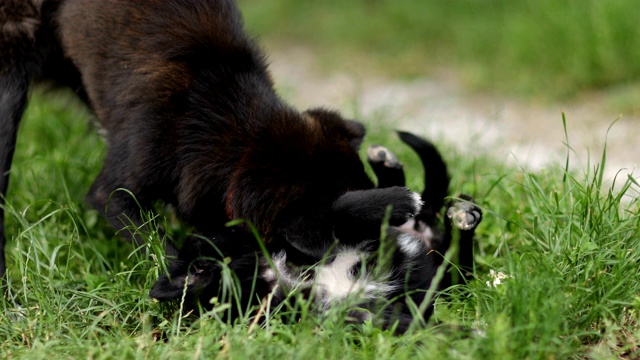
(487, 75)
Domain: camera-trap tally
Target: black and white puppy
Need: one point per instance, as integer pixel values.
(382, 277)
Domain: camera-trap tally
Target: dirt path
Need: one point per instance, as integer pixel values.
(527, 134)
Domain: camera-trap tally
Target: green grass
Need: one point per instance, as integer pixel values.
(568, 242)
(542, 47)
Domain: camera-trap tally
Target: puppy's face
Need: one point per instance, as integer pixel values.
(205, 266)
(197, 267)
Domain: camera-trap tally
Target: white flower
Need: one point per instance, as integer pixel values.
(496, 278)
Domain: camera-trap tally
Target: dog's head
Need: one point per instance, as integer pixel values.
(308, 158)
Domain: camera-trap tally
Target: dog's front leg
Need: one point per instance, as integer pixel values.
(123, 209)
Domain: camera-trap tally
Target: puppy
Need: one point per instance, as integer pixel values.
(382, 277)
(191, 119)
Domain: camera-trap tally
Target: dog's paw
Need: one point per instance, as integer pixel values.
(464, 214)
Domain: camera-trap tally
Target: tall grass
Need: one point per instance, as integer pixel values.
(543, 47)
(567, 242)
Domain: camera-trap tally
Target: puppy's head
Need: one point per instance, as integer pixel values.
(197, 268)
(206, 267)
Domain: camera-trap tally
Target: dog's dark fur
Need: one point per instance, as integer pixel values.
(381, 276)
(191, 119)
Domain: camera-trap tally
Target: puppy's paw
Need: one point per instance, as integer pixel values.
(465, 215)
(417, 203)
(386, 166)
(377, 154)
(404, 205)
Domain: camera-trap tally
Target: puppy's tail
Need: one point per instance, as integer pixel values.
(436, 178)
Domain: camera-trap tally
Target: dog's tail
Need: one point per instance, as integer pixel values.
(436, 178)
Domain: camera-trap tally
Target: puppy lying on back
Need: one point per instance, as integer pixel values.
(191, 119)
(380, 276)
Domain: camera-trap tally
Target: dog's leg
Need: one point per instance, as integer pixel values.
(122, 208)
(19, 63)
(13, 97)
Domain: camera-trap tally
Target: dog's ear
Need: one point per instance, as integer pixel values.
(334, 125)
(357, 131)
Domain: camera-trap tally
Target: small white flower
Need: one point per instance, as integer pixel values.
(496, 278)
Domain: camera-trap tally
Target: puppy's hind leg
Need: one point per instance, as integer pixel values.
(464, 216)
(386, 166)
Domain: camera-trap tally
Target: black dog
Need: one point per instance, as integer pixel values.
(383, 285)
(192, 119)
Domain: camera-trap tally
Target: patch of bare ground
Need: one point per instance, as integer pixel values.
(529, 134)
